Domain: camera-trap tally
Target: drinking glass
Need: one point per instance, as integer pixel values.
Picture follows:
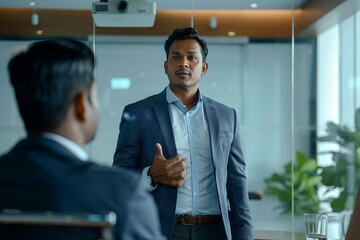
(315, 226)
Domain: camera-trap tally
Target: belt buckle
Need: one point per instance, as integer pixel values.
(183, 220)
(188, 224)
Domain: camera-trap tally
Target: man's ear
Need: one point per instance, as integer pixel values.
(165, 67)
(80, 106)
(204, 69)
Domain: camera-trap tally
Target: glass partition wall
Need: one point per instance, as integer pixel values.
(333, 124)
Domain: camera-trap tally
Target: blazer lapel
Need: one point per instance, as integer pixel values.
(213, 123)
(161, 110)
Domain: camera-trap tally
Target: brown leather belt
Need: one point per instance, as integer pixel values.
(199, 219)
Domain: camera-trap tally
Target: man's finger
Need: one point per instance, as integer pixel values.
(159, 150)
(177, 160)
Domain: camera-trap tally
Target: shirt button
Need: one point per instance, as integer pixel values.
(195, 193)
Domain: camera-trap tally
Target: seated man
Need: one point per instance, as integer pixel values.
(49, 170)
(353, 231)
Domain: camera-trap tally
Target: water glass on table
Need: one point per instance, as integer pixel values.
(316, 226)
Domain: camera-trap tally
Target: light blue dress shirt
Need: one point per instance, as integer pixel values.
(198, 196)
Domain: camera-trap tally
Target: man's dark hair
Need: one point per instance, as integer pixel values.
(47, 78)
(186, 33)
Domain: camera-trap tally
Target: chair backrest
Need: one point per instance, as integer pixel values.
(102, 222)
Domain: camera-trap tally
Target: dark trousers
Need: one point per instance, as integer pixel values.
(208, 231)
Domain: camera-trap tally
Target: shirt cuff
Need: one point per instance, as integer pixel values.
(144, 179)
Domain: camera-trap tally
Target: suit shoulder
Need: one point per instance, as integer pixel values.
(218, 105)
(142, 104)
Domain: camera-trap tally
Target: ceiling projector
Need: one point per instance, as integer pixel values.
(124, 13)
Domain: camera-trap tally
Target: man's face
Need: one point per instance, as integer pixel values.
(184, 65)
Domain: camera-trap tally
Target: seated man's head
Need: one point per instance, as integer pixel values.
(55, 89)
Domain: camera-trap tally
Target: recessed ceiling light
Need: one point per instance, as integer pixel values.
(32, 4)
(231, 33)
(254, 5)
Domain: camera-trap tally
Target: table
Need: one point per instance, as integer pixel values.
(277, 235)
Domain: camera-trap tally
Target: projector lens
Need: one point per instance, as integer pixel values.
(122, 5)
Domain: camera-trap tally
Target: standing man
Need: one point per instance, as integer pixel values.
(49, 170)
(187, 147)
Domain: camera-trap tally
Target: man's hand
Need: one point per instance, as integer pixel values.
(170, 172)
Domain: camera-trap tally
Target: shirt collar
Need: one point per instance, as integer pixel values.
(73, 147)
(171, 97)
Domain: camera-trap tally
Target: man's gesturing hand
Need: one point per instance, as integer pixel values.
(170, 172)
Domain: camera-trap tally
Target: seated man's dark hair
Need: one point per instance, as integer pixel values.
(47, 78)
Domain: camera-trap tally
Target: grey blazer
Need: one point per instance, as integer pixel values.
(147, 122)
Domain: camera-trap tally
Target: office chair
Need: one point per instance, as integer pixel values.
(102, 222)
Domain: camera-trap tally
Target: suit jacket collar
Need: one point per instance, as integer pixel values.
(38, 141)
(69, 144)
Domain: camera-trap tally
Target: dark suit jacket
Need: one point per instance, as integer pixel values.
(147, 122)
(39, 174)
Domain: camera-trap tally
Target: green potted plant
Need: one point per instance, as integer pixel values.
(306, 183)
(343, 175)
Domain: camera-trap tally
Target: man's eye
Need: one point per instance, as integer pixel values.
(175, 57)
(192, 58)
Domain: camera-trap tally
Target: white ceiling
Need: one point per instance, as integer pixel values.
(161, 4)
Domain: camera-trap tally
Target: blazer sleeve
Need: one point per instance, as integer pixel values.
(128, 148)
(239, 214)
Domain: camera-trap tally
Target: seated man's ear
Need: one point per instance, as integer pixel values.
(80, 106)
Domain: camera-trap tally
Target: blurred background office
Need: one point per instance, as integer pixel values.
(289, 67)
